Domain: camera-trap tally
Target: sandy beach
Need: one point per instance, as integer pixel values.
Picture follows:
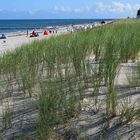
(16, 39)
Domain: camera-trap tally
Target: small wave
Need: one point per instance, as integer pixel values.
(22, 28)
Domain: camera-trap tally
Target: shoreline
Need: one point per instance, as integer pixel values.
(19, 38)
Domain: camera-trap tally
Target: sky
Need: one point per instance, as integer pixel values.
(68, 9)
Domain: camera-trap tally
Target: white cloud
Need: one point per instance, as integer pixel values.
(117, 7)
(77, 10)
(68, 9)
(31, 12)
(88, 8)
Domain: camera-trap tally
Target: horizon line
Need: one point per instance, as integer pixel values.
(58, 18)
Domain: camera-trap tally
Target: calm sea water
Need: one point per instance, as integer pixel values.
(21, 25)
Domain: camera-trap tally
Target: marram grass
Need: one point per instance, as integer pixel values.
(63, 67)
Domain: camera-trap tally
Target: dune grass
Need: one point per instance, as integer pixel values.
(63, 67)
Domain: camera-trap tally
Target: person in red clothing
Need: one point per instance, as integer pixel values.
(34, 33)
(45, 32)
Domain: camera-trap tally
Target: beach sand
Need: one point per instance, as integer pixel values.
(18, 39)
(13, 42)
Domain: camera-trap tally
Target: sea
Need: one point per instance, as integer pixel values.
(7, 26)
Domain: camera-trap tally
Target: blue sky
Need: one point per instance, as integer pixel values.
(59, 9)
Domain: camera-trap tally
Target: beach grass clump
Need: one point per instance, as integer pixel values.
(57, 103)
(129, 111)
(7, 117)
(111, 67)
(63, 67)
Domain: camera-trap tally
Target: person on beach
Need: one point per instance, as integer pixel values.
(3, 36)
(50, 31)
(45, 32)
(34, 34)
(27, 33)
